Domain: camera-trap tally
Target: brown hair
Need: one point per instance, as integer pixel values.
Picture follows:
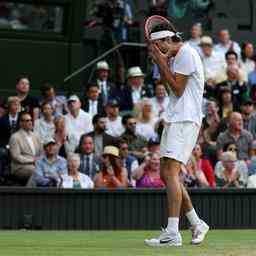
(115, 163)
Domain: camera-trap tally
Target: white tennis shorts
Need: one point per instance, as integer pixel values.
(178, 140)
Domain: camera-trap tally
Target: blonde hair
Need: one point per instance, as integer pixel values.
(12, 99)
(139, 108)
(73, 156)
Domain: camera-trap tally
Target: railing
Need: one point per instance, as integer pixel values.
(105, 54)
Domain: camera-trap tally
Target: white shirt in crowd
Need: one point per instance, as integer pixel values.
(213, 64)
(188, 107)
(222, 49)
(114, 128)
(79, 125)
(85, 181)
(157, 107)
(248, 66)
(44, 130)
(136, 95)
(93, 107)
(147, 130)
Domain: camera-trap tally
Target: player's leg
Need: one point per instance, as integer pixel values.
(198, 227)
(170, 170)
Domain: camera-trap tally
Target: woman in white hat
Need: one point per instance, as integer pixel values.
(112, 174)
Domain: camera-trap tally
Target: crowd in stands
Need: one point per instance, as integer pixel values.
(109, 136)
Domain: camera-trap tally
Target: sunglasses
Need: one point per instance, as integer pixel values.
(134, 123)
(232, 149)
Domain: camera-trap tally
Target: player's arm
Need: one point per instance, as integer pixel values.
(176, 82)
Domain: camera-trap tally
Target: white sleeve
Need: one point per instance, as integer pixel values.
(184, 62)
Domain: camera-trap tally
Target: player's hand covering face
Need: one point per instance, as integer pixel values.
(157, 55)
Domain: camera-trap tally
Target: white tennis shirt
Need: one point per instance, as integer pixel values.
(188, 107)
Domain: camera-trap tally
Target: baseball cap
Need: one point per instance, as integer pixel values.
(113, 103)
(73, 98)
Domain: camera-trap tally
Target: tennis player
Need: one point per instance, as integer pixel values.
(182, 72)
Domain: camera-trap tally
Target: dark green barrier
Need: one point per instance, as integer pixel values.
(55, 209)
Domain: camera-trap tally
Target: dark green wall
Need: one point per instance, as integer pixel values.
(58, 209)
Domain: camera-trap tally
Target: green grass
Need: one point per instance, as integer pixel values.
(122, 243)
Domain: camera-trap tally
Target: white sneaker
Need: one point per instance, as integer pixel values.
(165, 239)
(199, 232)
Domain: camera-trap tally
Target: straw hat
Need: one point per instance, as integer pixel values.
(111, 150)
(134, 71)
(206, 40)
(102, 65)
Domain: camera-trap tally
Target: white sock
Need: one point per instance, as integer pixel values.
(193, 217)
(173, 225)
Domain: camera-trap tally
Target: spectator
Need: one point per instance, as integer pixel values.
(93, 104)
(9, 122)
(103, 82)
(160, 101)
(136, 143)
(146, 119)
(252, 81)
(212, 121)
(67, 141)
(213, 62)
(226, 44)
(239, 90)
(204, 165)
(153, 146)
(128, 161)
(112, 174)
(49, 168)
(191, 176)
(28, 103)
(147, 174)
(252, 163)
(100, 137)
(195, 37)
(246, 63)
(237, 135)
(249, 116)
(114, 125)
(240, 165)
(135, 89)
(8, 125)
(252, 168)
(232, 62)
(159, 7)
(74, 178)
(58, 103)
(44, 127)
(77, 121)
(230, 177)
(89, 162)
(226, 102)
(25, 149)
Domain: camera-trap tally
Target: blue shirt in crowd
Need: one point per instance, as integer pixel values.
(46, 170)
